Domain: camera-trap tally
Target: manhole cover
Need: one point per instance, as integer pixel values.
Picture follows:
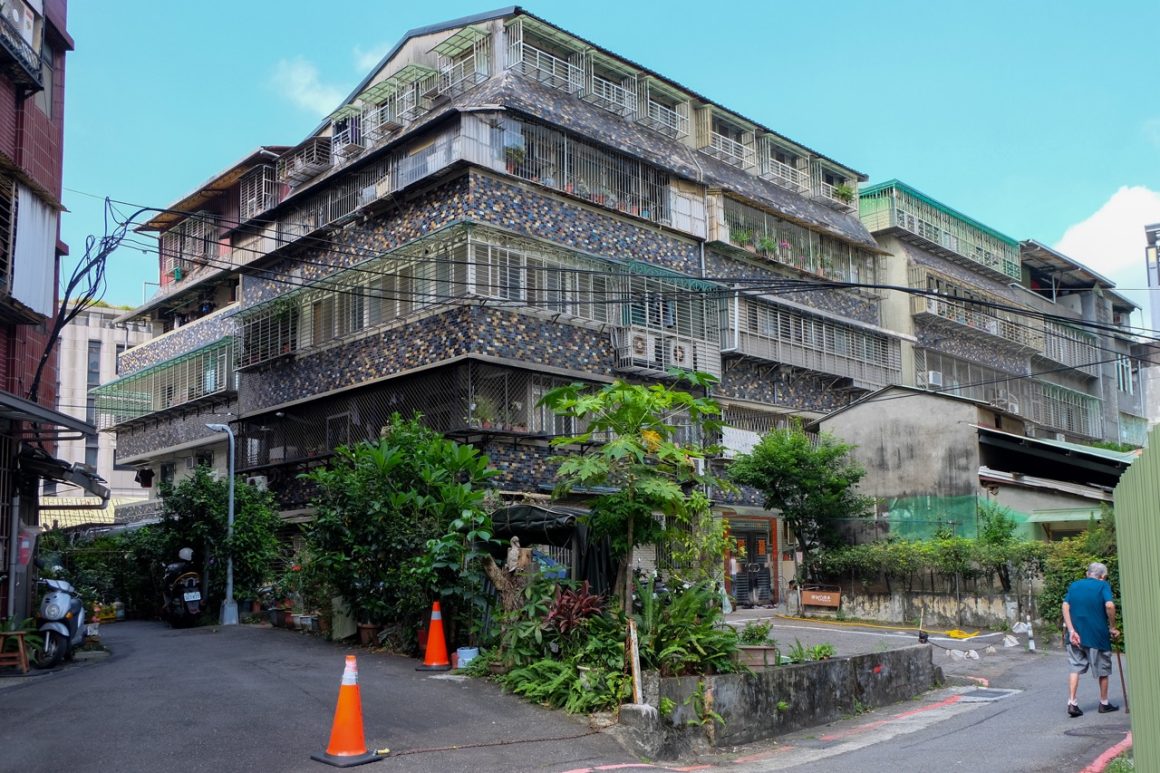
(987, 695)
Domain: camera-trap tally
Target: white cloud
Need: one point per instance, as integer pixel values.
(365, 60)
(1112, 240)
(298, 80)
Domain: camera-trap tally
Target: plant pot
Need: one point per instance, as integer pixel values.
(497, 667)
(757, 656)
(367, 634)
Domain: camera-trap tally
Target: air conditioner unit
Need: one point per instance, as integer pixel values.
(1012, 406)
(642, 348)
(934, 378)
(682, 353)
(257, 481)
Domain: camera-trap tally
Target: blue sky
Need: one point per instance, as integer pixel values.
(1039, 119)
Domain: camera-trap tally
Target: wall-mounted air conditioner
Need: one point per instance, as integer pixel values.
(257, 481)
(642, 348)
(934, 378)
(682, 353)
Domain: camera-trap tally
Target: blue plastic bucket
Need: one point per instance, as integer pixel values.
(466, 655)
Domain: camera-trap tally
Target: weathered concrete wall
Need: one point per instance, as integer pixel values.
(809, 694)
(937, 610)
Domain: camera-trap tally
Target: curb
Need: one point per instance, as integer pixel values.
(1110, 754)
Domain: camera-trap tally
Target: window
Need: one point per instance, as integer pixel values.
(117, 363)
(204, 459)
(1125, 375)
(94, 363)
(168, 472)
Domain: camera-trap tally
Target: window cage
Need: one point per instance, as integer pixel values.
(668, 322)
(783, 166)
(603, 177)
(257, 192)
(662, 109)
(269, 331)
(941, 372)
(772, 238)
(973, 309)
(1071, 346)
(203, 375)
(725, 139)
(7, 229)
(1066, 410)
(189, 244)
(304, 162)
(835, 188)
(791, 337)
(608, 85)
(941, 230)
(541, 53)
(466, 57)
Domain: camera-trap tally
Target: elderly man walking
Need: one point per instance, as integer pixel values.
(1090, 616)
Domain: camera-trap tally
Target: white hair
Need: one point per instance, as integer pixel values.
(1097, 570)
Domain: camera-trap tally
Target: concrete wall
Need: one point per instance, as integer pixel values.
(812, 694)
(936, 610)
(916, 445)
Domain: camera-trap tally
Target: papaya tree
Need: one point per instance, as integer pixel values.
(643, 445)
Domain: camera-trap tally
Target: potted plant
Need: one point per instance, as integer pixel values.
(844, 193)
(767, 245)
(514, 155)
(484, 411)
(755, 649)
(740, 236)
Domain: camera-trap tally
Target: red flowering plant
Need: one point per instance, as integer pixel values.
(572, 607)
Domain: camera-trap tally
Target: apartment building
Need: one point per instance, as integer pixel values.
(498, 208)
(88, 349)
(1016, 325)
(33, 45)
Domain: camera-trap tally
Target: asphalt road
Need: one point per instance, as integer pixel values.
(253, 699)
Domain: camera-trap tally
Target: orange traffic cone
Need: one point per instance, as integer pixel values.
(348, 746)
(436, 656)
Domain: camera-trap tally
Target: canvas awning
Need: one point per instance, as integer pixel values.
(559, 526)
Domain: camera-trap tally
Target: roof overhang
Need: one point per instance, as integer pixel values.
(210, 189)
(1070, 273)
(18, 409)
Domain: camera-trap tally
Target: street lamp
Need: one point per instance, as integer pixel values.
(229, 606)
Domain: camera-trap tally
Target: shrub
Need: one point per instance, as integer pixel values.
(755, 632)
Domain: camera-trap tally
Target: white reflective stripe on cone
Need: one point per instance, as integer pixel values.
(350, 673)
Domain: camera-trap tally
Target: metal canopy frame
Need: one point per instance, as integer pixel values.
(461, 41)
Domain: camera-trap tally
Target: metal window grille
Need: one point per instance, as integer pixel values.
(941, 372)
(535, 52)
(790, 244)
(662, 109)
(816, 343)
(783, 166)
(202, 375)
(1066, 410)
(257, 192)
(189, 244)
(945, 231)
(269, 331)
(973, 309)
(610, 179)
(725, 139)
(305, 161)
(834, 188)
(466, 57)
(608, 85)
(1072, 347)
(667, 324)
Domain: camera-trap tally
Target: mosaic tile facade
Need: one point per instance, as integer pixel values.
(747, 379)
(173, 429)
(973, 348)
(183, 340)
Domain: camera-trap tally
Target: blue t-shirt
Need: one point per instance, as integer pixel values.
(1086, 599)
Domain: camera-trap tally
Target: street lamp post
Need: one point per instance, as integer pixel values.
(229, 614)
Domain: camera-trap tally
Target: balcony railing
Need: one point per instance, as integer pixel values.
(28, 72)
(610, 96)
(305, 162)
(844, 196)
(786, 176)
(666, 120)
(790, 337)
(551, 70)
(995, 324)
(461, 76)
(729, 150)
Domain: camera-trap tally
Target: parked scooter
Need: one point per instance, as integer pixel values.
(61, 621)
(181, 589)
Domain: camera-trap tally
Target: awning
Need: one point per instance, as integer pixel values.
(560, 527)
(1081, 515)
(16, 408)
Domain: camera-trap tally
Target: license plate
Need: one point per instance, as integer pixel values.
(193, 595)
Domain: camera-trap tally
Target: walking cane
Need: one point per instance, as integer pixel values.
(1123, 686)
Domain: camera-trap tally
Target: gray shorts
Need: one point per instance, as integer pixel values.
(1081, 658)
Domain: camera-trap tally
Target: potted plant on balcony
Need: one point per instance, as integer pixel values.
(767, 245)
(844, 193)
(514, 155)
(741, 237)
(484, 412)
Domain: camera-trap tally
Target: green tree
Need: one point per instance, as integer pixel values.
(396, 520)
(195, 514)
(811, 484)
(632, 441)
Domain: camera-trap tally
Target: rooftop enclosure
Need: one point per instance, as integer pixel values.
(950, 305)
(679, 316)
(940, 229)
(777, 239)
(790, 336)
(202, 376)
